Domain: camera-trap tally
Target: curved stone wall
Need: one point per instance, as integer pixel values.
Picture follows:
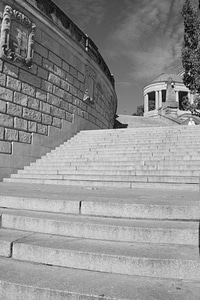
(53, 82)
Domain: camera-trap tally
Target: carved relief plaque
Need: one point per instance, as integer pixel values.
(89, 85)
(17, 37)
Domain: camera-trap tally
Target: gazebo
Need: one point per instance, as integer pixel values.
(155, 93)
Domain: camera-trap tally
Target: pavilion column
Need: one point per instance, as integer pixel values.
(160, 99)
(146, 103)
(157, 100)
(177, 96)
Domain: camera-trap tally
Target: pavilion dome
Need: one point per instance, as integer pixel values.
(164, 77)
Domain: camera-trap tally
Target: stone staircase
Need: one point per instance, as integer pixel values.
(59, 242)
(139, 121)
(126, 158)
(109, 215)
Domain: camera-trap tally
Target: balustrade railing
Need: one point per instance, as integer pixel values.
(53, 12)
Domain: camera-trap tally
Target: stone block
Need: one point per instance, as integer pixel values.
(75, 101)
(81, 77)
(69, 117)
(58, 91)
(57, 122)
(20, 124)
(20, 99)
(2, 79)
(41, 95)
(48, 65)
(79, 65)
(76, 83)
(32, 115)
(73, 90)
(69, 78)
(57, 112)
(28, 89)
(47, 86)
(59, 72)
(64, 105)
(33, 69)
(25, 137)
(11, 134)
(55, 59)
(6, 94)
(45, 107)
(49, 43)
(54, 79)
(32, 126)
(42, 129)
(71, 108)
(65, 66)
(14, 109)
(39, 49)
(64, 85)
(53, 100)
(42, 73)
(68, 97)
(10, 70)
(6, 121)
(29, 78)
(82, 87)
(33, 103)
(66, 55)
(2, 106)
(5, 147)
(1, 133)
(73, 72)
(46, 119)
(37, 59)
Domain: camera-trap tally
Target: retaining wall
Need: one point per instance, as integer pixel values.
(53, 82)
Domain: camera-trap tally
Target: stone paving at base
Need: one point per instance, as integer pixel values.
(20, 201)
(103, 194)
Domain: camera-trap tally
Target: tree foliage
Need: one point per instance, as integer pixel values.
(140, 111)
(190, 49)
(192, 107)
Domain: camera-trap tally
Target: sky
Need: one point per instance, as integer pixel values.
(138, 39)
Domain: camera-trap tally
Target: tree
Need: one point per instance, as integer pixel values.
(140, 111)
(191, 107)
(190, 49)
(191, 55)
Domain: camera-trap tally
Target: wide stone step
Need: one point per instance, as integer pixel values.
(125, 150)
(157, 184)
(156, 164)
(39, 282)
(105, 171)
(107, 167)
(137, 204)
(104, 178)
(136, 136)
(120, 157)
(45, 203)
(127, 147)
(147, 153)
(171, 261)
(110, 229)
(134, 142)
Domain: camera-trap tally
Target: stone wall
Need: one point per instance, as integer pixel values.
(53, 82)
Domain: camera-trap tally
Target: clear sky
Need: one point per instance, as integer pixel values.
(139, 40)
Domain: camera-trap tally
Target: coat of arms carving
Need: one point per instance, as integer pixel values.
(17, 37)
(90, 79)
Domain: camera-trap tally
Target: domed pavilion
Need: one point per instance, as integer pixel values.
(155, 93)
